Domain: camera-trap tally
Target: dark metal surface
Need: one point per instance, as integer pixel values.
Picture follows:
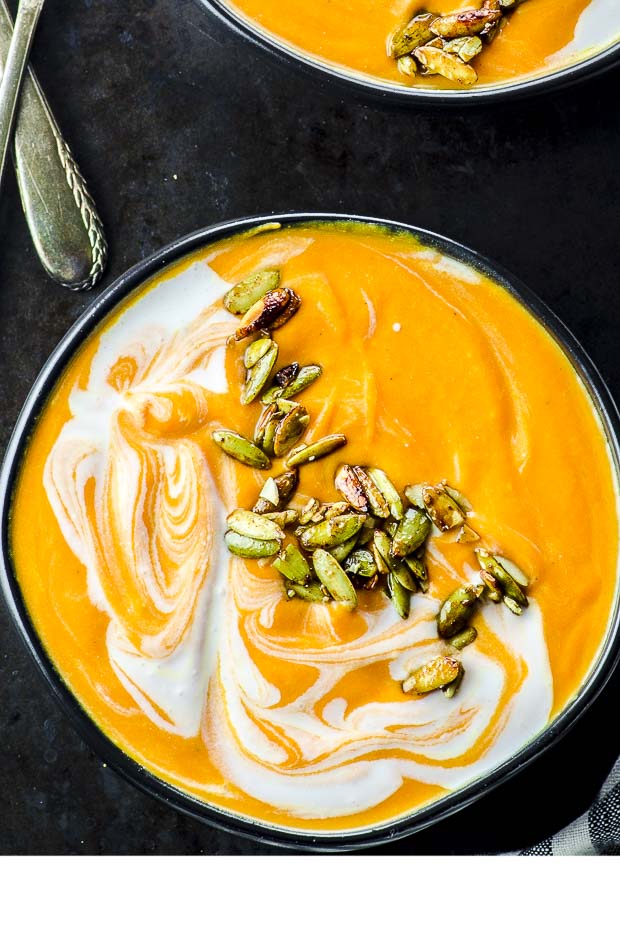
(181, 125)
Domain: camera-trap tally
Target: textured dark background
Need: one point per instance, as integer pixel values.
(177, 123)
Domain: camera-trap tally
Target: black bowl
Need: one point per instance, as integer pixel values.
(367, 86)
(109, 752)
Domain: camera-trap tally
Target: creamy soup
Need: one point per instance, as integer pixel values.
(533, 37)
(205, 667)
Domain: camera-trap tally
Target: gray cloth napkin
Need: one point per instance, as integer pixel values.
(597, 832)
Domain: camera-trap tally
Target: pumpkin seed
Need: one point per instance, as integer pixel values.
(415, 495)
(243, 296)
(247, 523)
(464, 638)
(351, 488)
(452, 688)
(286, 375)
(283, 518)
(311, 592)
(491, 584)
(399, 596)
(467, 48)
(290, 430)
(361, 562)
(389, 492)
(292, 565)
(407, 66)
(341, 552)
(405, 39)
(309, 510)
(433, 675)
(411, 533)
(266, 419)
(249, 548)
(259, 374)
(331, 532)
(512, 569)
(376, 501)
(287, 485)
(457, 609)
(270, 312)
(255, 351)
(441, 508)
(334, 578)
(467, 534)
(459, 499)
(269, 492)
(240, 448)
(309, 453)
(465, 23)
(418, 567)
(335, 510)
(508, 586)
(385, 561)
(438, 62)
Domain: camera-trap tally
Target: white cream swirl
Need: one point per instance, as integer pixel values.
(136, 501)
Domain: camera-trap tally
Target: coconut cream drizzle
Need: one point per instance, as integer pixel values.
(139, 506)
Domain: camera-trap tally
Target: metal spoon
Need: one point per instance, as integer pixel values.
(63, 221)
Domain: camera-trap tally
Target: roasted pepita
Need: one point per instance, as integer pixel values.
(350, 486)
(255, 351)
(435, 674)
(465, 23)
(464, 638)
(389, 492)
(311, 592)
(361, 562)
(309, 510)
(331, 532)
(377, 503)
(255, 526)
(309, 453)
(452, 688)
(513, 596)
(283, 518)
(259, 374)
(441, 508)
(270, 312)
(399, 596)
(438, 62)
(341, 552)
(405, 39)
(467, 48)
(457, 609)
(411, 532)
(306, 376)
(292, 565)
(240, 448)
(334, 578)
(249, 548)
(290, 430)
(286, 375)
(407, 66)
(246, 293)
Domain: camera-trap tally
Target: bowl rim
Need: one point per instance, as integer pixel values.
(112, 755)
(369, 87)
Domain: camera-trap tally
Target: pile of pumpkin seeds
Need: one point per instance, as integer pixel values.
(432, 44)
(370, 536)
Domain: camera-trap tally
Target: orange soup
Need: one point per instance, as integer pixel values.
(284, 699)
(531, 38)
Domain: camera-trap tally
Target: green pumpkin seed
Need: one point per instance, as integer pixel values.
(418, 567)
(466, 534)
(283, 518)
(290, 430)
(377, 503)
(465, 23)
(334, 578)
(287, 485)
(351, 488)
(311, 592)
(331, 532)
(292, 565)
(249, 548)
(407, 66)
(270, 416)
(309, 453)
(269, 491)
(243, 296)
(467, 48)
(512, 569)
(255, 351)
(415, 495)
(286, 375)
(491, 590)
(389, 492)
(399, 596)
(240, 448)
(464, 638)
(336, 509)
(452, 688)
(259, 375)
(406, 38)
(459, 499)
(341, 552)
(308, 511)
(306, 376)
(411, 533)
(387, 563)
(438, 62)
(457, 609)
(361, 562)
(433, 675)
(441, 508)
(509, 588)
(247, 523)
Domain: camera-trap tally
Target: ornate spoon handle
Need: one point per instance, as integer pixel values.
(63, 221)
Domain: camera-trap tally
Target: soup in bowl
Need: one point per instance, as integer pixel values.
(436, 49)
(301, 517)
